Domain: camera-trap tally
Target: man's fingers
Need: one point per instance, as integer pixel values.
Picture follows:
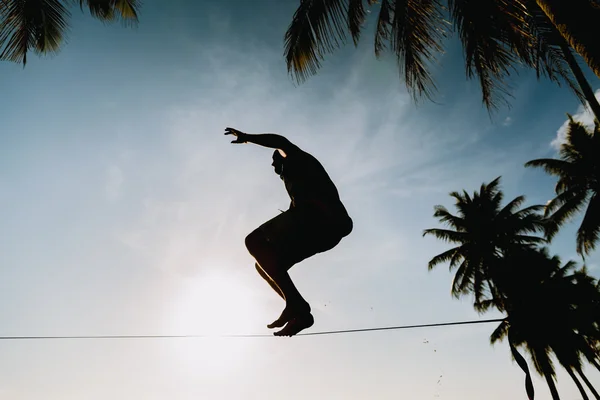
(231, 131)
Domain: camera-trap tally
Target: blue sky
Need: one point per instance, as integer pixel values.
(124, 211)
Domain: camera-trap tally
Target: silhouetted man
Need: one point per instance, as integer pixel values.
(315, 222)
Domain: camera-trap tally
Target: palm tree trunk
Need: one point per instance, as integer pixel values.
(576, 21)
(586, 89)
(588, 383)
(584, 395)
(552, 386)
(594, 363)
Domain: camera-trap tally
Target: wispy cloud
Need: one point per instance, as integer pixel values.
(583, 115)
(380, 154)
(508, 121)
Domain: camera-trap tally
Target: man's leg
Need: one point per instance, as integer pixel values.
(296, 309)
(270, 281)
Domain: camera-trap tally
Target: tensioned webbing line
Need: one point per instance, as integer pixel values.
(387, 328)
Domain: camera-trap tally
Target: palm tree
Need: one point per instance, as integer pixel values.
(496, 36)
(578, 186)
(483, 230)
(574, 20)
(551, 45)
(41, 25)
(544, 303)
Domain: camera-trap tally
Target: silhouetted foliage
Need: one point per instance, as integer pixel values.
(496, 36)
(578, 186)
(552, 310)
(41, 25)
(483, 229)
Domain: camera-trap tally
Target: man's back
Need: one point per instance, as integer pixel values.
(307, 182)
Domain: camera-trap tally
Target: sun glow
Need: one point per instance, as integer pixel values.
(215, 304)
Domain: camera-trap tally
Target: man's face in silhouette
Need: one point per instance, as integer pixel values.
(277, 162)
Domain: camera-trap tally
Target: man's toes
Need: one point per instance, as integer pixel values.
(278, 323)
(284, 318)
(296, 325)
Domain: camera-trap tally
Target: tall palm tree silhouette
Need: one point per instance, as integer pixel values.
(483, 230)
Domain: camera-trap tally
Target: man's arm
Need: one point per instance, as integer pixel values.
(270, 140)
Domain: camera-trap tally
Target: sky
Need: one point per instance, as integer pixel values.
(124, 211)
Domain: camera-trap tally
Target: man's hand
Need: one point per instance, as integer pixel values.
(240, 136)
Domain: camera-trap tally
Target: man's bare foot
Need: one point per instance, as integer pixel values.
(296, 325)
(288, 314)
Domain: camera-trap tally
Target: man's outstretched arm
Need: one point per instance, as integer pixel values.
(270, 140)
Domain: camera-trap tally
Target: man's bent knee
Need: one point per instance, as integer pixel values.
(256, 242)
(261, 248)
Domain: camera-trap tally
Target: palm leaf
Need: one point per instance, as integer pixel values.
(128, 9)
(416, 33)
(579, 142)
(446, 235)
(575, 20)
(34, 24)
(589, 231)
(551, 166)
(525, 239)
(569, 207)
(548, 58)
(316, 28)
(500, 332)
(356, 18)
(383, 29)
(448, 255)
(491, 45)
(461, 283)
(445, 217)
(511, 206)
(111, 10)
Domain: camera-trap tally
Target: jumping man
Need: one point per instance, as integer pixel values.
(316, 221)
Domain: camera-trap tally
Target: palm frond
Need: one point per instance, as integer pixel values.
(562, 198)
(589, 230)
(100, 9)
(575, 20)
(112, 10)
(462, 283)
(525, 239)
(448, 255)
(569, 207)
(416, 33)
(445, 217)
(128, 9)
(493, 186)
(446, 235)
(551, 166)
(579, 141)
(356, 18)
(500, 332)
(491, 45)
(513, 205)
(531, 211)
(548, 58)
(38, 25)
(318, 27)
(384, 26)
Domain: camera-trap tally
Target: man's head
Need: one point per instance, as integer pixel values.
(277, 162)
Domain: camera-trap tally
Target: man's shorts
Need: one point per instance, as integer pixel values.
(302, 232)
